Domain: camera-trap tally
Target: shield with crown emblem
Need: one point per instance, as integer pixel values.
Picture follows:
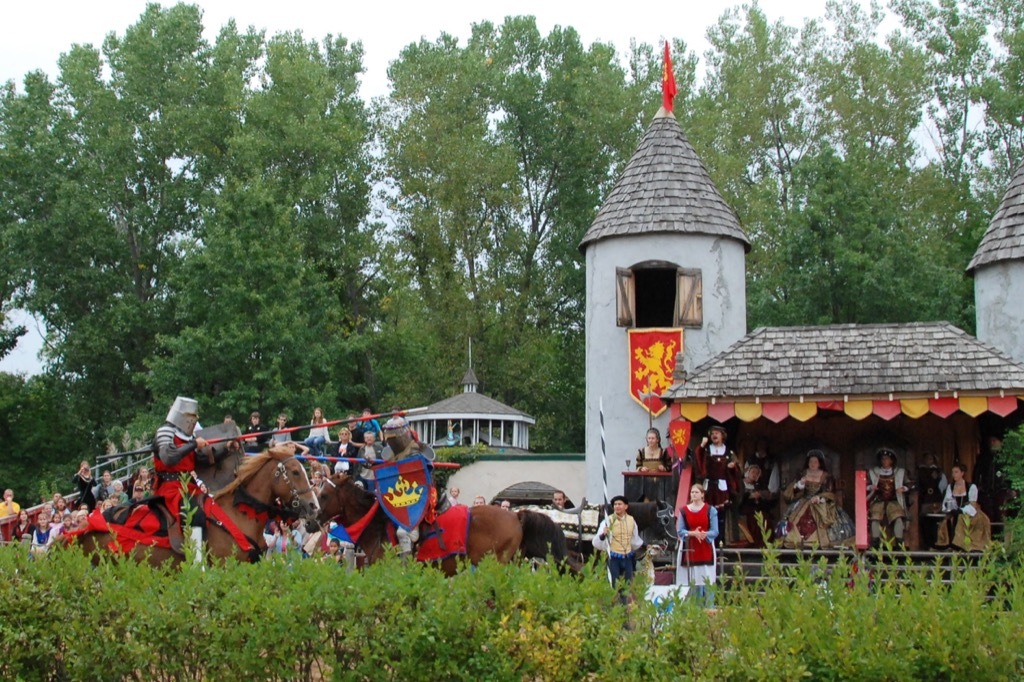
(403, 489)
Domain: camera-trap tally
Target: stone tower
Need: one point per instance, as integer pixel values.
(998, 271)
(664, 252)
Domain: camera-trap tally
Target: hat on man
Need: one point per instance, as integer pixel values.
(885, 452)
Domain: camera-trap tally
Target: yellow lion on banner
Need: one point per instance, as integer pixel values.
(656, 365)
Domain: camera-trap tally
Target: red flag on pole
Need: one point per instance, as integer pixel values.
(668, 81)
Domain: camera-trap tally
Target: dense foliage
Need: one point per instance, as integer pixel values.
(310, 620)
(228, 219)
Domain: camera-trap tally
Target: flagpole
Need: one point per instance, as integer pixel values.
(604, 456)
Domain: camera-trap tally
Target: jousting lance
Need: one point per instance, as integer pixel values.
(289, 429)
(359, 460)
(323, 425)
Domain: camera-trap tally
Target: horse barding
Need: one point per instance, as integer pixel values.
(450, 537)
(272, 484)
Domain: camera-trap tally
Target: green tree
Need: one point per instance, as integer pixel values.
(500, 152)
(101, 193)
(276, 278)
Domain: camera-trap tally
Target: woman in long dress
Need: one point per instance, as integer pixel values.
(653, 457)
(968, 526)
(697, 529)
(813, 517)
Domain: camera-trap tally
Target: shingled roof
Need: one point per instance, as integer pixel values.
(851, 360)
(1004, 238)
(665, 188)
(469, 404)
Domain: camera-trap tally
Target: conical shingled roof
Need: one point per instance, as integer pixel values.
(1004, 239)
(665, 188)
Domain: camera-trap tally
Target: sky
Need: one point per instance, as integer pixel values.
(34, 34)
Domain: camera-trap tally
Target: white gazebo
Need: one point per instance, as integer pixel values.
(470, 418)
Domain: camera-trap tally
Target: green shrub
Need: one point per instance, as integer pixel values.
(67, 619)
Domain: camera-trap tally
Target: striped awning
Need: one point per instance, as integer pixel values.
(802, 410)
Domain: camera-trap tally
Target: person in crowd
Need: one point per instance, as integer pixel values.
(120, 496)
(318, 435)
(813, 517)
(317, 481)
(453, 496)
(60, 506)
(83, 482)
(8, 507)
(43, 537)
(279, 539)
(619, 536)
(60, 523)
(334, 552)
(887, 501)
(282, 423)
(255, 425)
(697, 530)
(346, 448)
(558, 499)
(653, 457)
(931, 489)
(23, 528)
(297, 535)
(141, 479)
(479, 501)
(966, 527)
(370, 453)
(368, 425)
(506, 505)
(105, 488)
(80, 519)
(139, 492)
(175, 454)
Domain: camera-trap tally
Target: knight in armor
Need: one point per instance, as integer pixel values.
(931, 489)
(174, 455)
(400, 444)
(887, 496)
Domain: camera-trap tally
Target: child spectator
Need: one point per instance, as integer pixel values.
(9, 507)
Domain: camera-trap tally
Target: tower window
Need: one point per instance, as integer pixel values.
(659, 294)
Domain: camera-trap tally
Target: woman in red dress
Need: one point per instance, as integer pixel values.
(698, 529)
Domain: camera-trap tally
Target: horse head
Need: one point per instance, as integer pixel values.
(342, 500)
(273, 478)
(666, 516)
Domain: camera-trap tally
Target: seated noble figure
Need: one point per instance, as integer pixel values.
(966, 527)
(812, 516)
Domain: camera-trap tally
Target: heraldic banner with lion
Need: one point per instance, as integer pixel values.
(652, 358)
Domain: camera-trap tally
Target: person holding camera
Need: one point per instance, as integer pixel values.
(83, 482)
(618, 535)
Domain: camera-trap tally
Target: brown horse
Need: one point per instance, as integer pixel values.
(491, 530)
(262, 481)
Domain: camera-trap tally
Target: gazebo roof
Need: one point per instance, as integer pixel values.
(664, 188)
(1004, 238)
(473, 405)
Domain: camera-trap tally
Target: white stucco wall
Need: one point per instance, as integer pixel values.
(722, 264)
(488, 478)
(999, 301)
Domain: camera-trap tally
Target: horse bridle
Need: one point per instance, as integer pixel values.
(282, 472)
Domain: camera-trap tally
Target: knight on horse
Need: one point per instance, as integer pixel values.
(174, 457)
(404, 484)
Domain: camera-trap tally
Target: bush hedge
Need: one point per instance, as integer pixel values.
(65, 619)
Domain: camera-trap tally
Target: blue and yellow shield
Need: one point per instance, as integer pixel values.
(403, 489)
